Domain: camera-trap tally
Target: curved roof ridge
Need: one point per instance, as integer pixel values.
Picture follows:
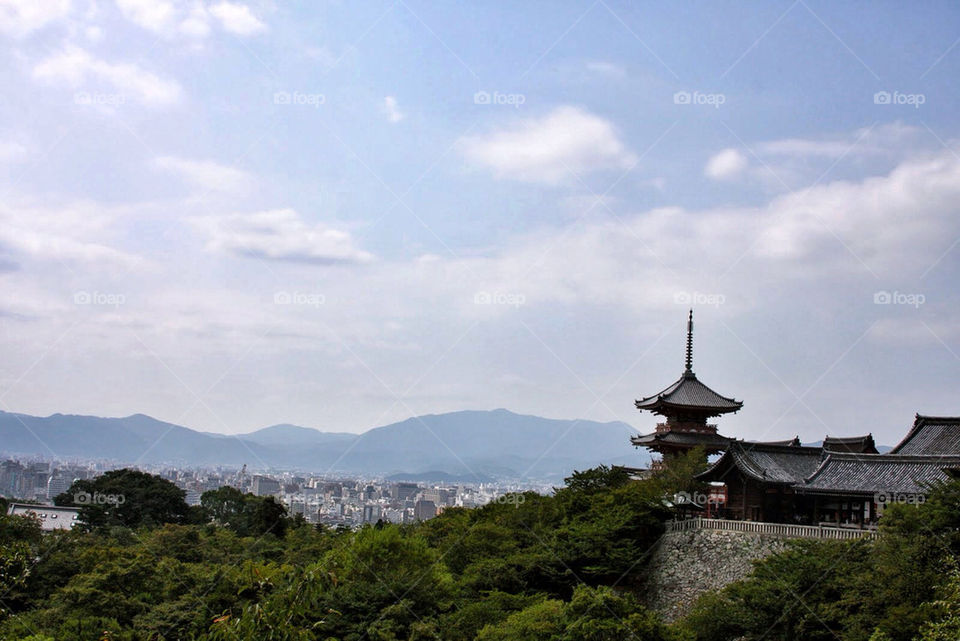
(938, 440)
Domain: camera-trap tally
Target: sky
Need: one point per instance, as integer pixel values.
(342, 214)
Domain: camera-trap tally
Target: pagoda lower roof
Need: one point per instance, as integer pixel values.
(707, 440)
(689, 394)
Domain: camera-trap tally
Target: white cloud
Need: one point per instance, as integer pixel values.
(237, 18)
(206, 174)
(280, 234)
(191, 18)
(77, 231)
(789, 163)
(20, 18)
(196, 23)
(76, 67)
(154, 15)
(547, 149)
(391, 110)
(725, 165)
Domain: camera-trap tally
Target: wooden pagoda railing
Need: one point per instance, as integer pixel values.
(777, 529)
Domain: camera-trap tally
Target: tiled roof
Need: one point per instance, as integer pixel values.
(936, 435)
(793, 442)
(693, 439)
(783, 464)
(878, 473)
(689, 392)
(852, 444)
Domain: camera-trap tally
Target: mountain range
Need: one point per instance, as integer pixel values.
(466, 445)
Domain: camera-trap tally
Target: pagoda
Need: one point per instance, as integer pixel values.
(686, 406)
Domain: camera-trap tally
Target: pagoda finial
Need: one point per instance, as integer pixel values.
(689, 369)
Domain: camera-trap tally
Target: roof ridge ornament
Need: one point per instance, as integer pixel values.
(689, 369)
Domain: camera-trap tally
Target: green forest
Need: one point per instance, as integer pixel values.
(569, 566)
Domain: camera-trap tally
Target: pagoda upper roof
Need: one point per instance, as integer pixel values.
(688, 393)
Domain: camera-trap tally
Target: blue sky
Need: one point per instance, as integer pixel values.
(334, 214)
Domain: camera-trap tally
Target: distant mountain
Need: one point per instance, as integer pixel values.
(467, 445)
(437, 476)
(286, 434)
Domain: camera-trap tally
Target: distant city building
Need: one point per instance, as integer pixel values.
(265, 486)
(371, 513)
(424, 510)
(57, 485)
(405, 491)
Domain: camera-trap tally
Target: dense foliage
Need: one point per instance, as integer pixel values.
(562, 567)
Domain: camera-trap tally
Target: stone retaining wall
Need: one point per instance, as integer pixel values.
(684, 565)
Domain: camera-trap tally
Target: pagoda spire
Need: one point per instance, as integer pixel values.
(689, 369)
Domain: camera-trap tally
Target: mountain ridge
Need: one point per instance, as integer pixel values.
(482, 444)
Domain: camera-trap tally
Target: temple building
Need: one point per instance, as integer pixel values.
(686, 406)
(843, 481)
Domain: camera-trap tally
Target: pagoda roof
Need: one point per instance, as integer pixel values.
(689, 393)
(706, 440)
(933, 435)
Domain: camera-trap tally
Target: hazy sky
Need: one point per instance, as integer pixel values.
(342, 214)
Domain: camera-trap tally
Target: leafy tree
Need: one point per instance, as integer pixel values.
(126, 497)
